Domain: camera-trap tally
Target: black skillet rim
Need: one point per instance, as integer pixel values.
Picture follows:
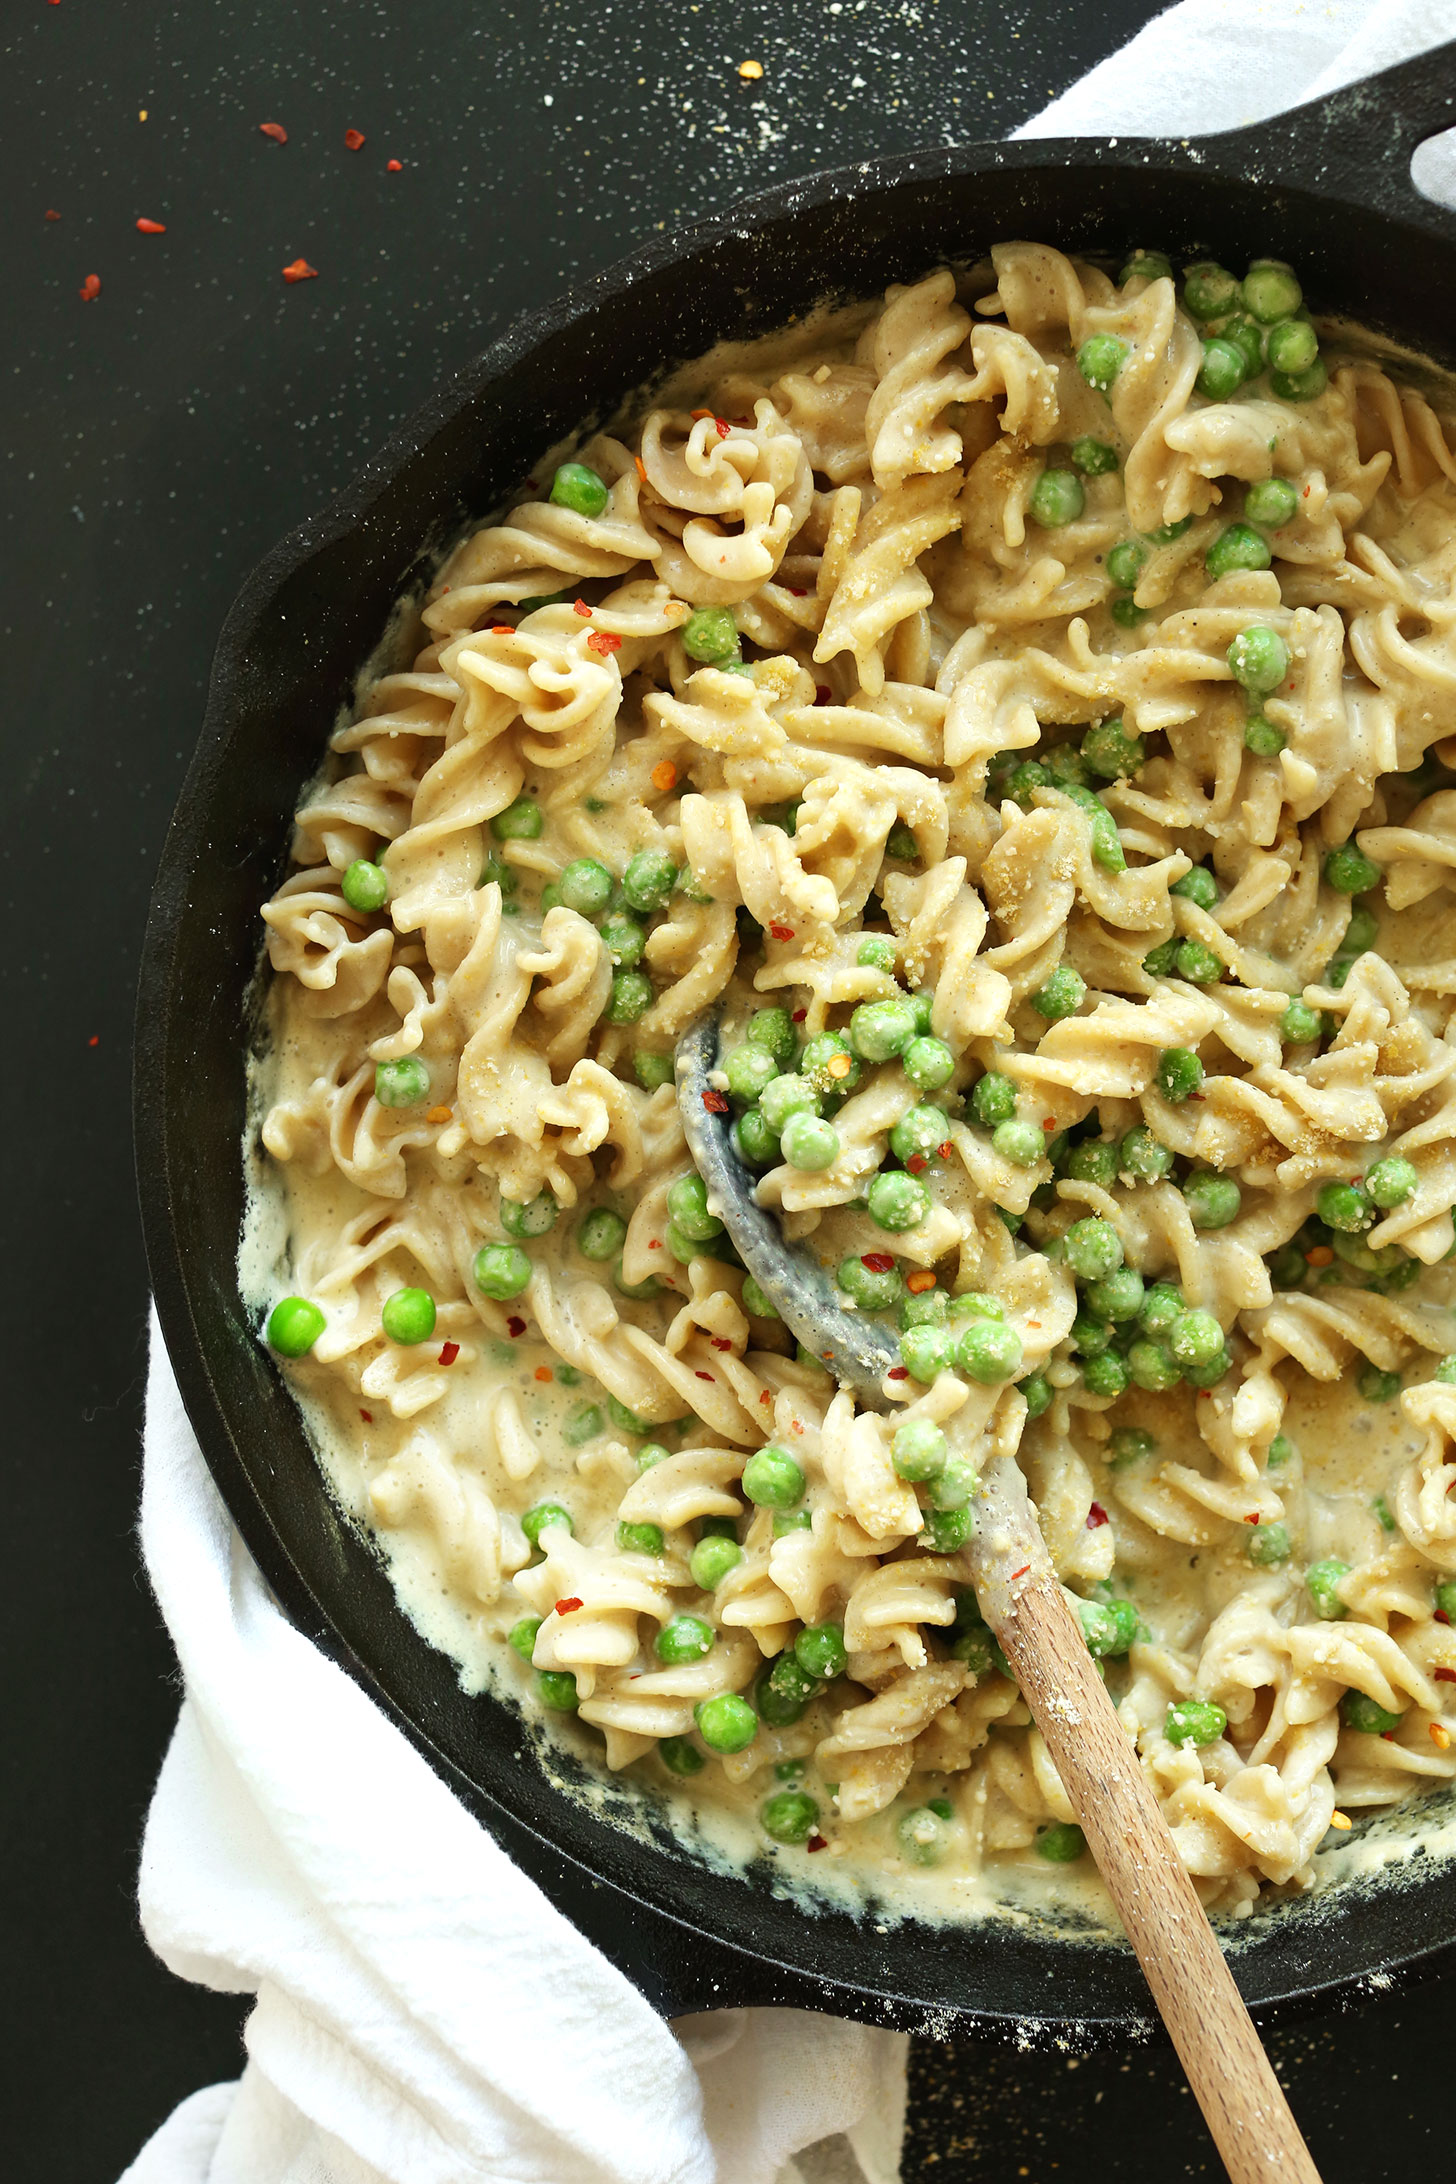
(671, 1939)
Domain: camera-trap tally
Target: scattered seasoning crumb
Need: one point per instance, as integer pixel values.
(395, 166)
(751, 71)
(449, 1352)
(354, 138)
(90, 288)
(273, 129)
(151, 227)
(1096, 1517)
(300, 270)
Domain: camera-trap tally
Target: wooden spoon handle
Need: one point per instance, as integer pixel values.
(1192, 1985)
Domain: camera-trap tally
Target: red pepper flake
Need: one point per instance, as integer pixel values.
(502, 629)
(90, 288)
(151, 227)
(1096, 1517)
(1321, 1255)
(918, 1282)
(896, 1372)
(1252, 1519)
(817, 1842)
(542, 1372)
(698, 415)
(785, 932)
(796, 1427)
(94, 1040)
(716, 1102)
(568, 1606)
(699, 1374)
(765, 1397)
(1049, 1124)
(654, 1243)
(916, 1162)
(721, 1342)
(664, 776)
(1025, 1567)
(879, 1262)
(823, 695)
(515, 1327)
(394, 166)
(1445, 1675)
(300, 270)
(579, 606)
(1387, 1736)
(794, 592)
(641, 468)
(604, 642)
(274, 129)
(449, 1351)
(799, 1015)
(1443, 1617)
(720, 426)
(945, 1149)
(53, 216)
(367, 1416)
(354, 138)
(840, 1065)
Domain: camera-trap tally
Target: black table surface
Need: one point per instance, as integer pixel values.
(158, 437)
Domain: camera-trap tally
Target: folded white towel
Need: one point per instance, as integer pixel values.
(424, 2015)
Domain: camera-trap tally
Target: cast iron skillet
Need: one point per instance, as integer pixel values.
(1327, 187)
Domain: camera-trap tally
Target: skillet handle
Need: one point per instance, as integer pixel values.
(1355, 143)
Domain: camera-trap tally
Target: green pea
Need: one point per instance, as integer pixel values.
(1019, 1142)
(1099, 360)
(1093, 1248)
(1209, 291)
(711, 634)
(930, 1308)
(601, 1234)
(641, 1539)
(1162, 961)
(501, 1271)
(873, 1289)
(1446, 1598)
(994, 1099)
(1090, 1334)
(1271, 503)
(684, 1638)
(1322, 1580)
(1142, 1155)
(1300, 1024)
(1292, 346)
(624, 940)
(652, 1071)
(652, 1287)
(1262, 737)
(1111, 753)
(1300, 386)
(1061, 1842)
(1270, 291)
(876, 952)
(820, 1651)
(783, 1692)
(1366, 1717)
(1247, 336)
(878, 1031)
(712, 1559)
(1094, 458)
(681, 1756)
(927, 1351)
(726, 1723)
(556, 1689)
(504, 876)
(649, 880)
(1238, 546)
(519, 822)
(1349, 871)
(542, 1517)
(1258, 660)
(946, 1531)
(789, 1817)
(1382, 1510)
(294, 1326)
(811, 1144)
(1101, 1628)
(919, 1134)
(1105, 1375)
(1061, 994)
(923, 1003)
(1391, 1181)
(1179, 1074)
(831, 1065)
(1376, 1386)
(1281, 1451)
(630, 997)
(989, 1353)
(532, 1219)
(1129, 1445)
(1267, 1546)
(756, 1302)
(976, 1304)
(583, 1423)
(579, 489)
(1037, 1391)
(365, 886)
(928, 1063)
(523, 1635)
(626, 1421)
(1195, 1338)
(1344, 1206)
(691, 886)
(1212, 1200)
(401, 1084)
(1222, 370)
(586, 886)
(1125, 563)
(919, 1450)
(1057, 498)
(1198, 963)
(897, 1201)
(1194, 1721)
(787, 1096)
(1361, 932)
(756, 1145)
(1118, 1296)
(772, 1479)
(750, 1070)
(408, 1316)
(773, 1029)
(1150, 1365)
(1022, 779)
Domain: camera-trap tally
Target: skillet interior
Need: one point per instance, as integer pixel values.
(1327, 188)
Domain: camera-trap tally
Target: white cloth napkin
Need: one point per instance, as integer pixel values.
(424, 2015)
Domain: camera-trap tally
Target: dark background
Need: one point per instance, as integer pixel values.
(156, 441)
